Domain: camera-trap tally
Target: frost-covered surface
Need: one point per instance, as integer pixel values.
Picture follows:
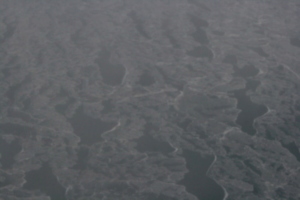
(160, 99)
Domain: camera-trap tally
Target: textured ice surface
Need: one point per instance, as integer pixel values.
(151, 100)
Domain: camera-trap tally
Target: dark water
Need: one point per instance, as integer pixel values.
(4, 179)
(8, 151)
(196, 182)
(295, 42)
(82, 158)
(146, 79)
(249, 110)
(44, 180)
(230, 59)
(10, 94)
(17, 114)
(184, 123)
(147, 143)
(201, 52)
(150, 128)
(62, 108)
(251, 85)
(281, 193)
(112, 74)
(17, 130)
(200, 34)
(247, 71)
(293, 149)
(157, 197)
(108, 106)
(89, 129)
(297, 119)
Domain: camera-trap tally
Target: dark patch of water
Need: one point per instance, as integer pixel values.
(108, 106)
(285, 129)
(112, 74)
(147, 143)
(150, 128)
(62, 108)
(146, 79)
(82, 158)
(293, 149)
(185, 123)
(10, 94)
(89, 129)
(218, 32)
(257, 190)
(281, 193)
(22, 194)
(247, 71)
(249, 111)
(4, 179)
(157, 197)
(269, 135)
(297, 118)
(295, 42)
(252, 85)
(200, 132)
(230, 59)
(17, 114)
(196, 181)
(8, 151)
(200, 36)
(17, 130)
(27, 103)
(297, 121)
(201, 52)
(6, 71)
(44, 180)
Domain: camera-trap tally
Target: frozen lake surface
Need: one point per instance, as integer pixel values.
(149, 100)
